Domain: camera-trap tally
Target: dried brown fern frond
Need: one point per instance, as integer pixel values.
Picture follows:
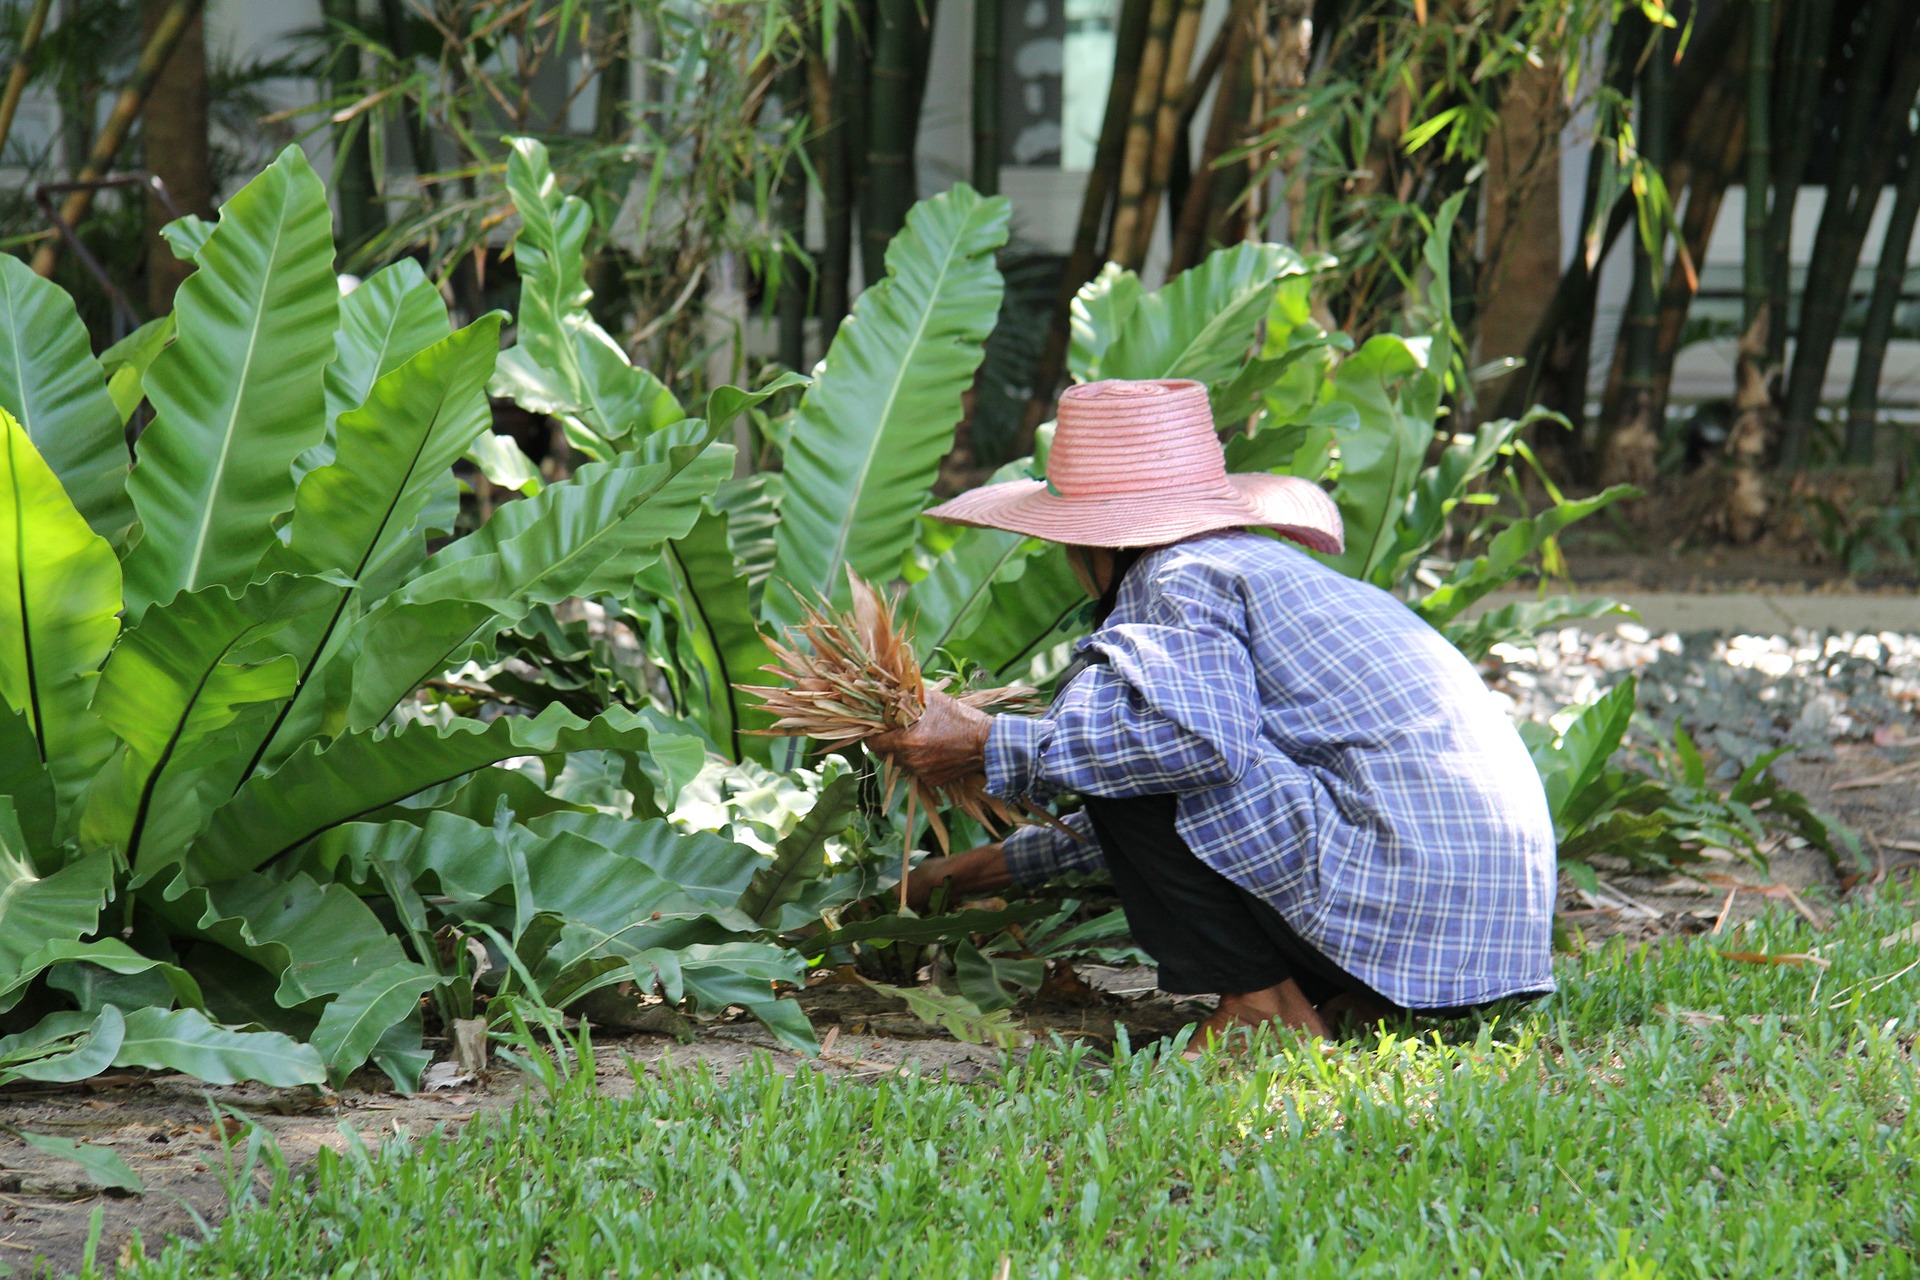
(847, 677)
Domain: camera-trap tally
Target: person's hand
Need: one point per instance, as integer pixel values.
(948, 742)
(980, 870)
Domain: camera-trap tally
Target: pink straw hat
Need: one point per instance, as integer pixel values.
(1138, 464)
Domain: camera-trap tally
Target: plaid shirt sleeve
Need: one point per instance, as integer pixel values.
(1174, 708)
(1037, 854)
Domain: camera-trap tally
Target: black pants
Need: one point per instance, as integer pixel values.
(1206, 933)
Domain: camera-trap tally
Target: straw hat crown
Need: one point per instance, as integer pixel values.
(1139, 464)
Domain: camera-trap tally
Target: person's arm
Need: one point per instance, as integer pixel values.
(1039, 853)
(1174, 708)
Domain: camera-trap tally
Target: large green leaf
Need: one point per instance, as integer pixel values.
(126, 363)
(1522, 619)
(25, 783)
(1388, 382)
(959, 587)
(50, 381)
(356, 1021)
(801, 855)
(1438, 492)
(37, 912)
(363, 514)
(565, 362)
(585, 536)
(393, 316)
(1100, 310)
(1571, 761)
(238, 396)
(59, 607)
(178, 679)
(720, 644)
(63, 1047)
(1036, 604)
(358, 773)
(1202, 323)
(868, 438)
(184, 1040)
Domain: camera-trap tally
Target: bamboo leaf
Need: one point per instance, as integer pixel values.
(238, 395)
(59, 606)
(50, 382)
(868, 438)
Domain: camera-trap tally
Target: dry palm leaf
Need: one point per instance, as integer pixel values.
(852, 676)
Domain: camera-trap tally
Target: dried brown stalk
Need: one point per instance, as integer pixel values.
(849, 677)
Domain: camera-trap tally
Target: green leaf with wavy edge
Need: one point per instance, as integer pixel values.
(355, 1021)
(868, 438)
(63, 1047)
(38, 911)
(1397, 395)
(26, 785)
(1576, 756)
(184, 1040)
(359, 773)
(365, 514)
(177, 679)
(1523, 619)
(582, 537)
(81, 969)
(1030, 611)
(565, 362)
(1099, 311)
(238, 395)
(504, 463)
(103, 1166)
(720, 644)
(51, 383)
(1202, 323)
(59, 607)
(1508, 552)
(125, 363)
(393, 316)
(801, 855)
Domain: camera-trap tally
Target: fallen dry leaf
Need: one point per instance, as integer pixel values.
(1909, 934)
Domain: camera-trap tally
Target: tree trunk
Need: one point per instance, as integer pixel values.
(1196, 211)
(1629, 449)
(1711, 175)
(1807, 42)
(792, 302)
(1101, 181)
(1136, 159)
(22, 68)
(986, 96)
(166, 34)
(1743, 511)
(1889, 278)
(1753, 266)
(1861, 166)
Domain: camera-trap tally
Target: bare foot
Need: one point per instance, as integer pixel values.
(1284, 1005)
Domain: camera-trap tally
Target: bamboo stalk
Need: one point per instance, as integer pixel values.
(1186, 30)
(1137, 157)
(1862, 164)
(1718, 154)
(354, 182)
(1806, 47)
(1190, 231)
(890, 134)
(792, 302)
(1101, 180)
(986, 96)
(113, 134)
(1759, 159)
(22, 68)
(1889, 279)
(844, 144)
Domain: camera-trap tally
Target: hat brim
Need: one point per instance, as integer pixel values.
(1294, 508)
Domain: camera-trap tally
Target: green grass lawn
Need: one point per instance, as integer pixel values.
(1670, 1113)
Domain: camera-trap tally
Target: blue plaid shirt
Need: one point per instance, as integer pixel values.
(1333, 755)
